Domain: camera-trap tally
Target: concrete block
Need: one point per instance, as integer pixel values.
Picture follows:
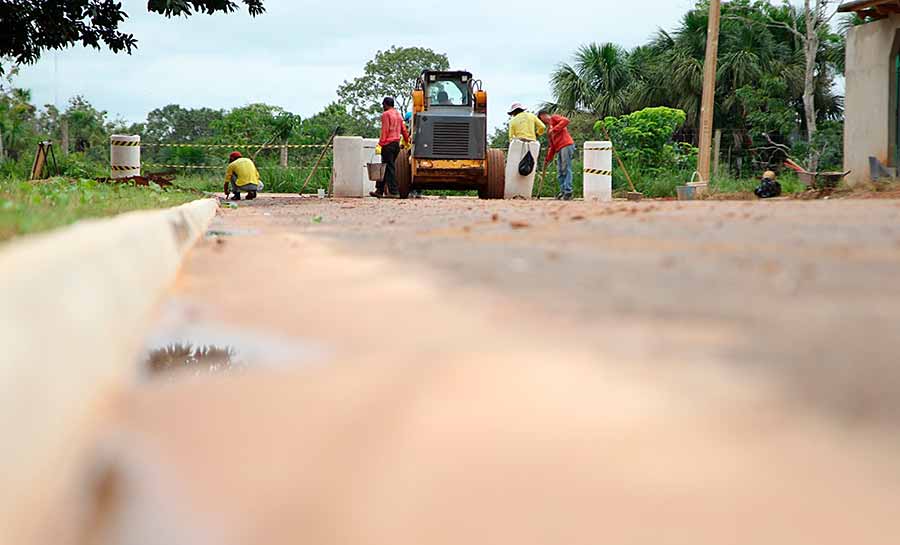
(368, 156)
(348, 152)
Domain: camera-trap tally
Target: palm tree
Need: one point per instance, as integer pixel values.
(598, 83)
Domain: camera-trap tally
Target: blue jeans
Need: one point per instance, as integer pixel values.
(564, 168)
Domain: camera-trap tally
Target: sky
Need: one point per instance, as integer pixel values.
(298, 53)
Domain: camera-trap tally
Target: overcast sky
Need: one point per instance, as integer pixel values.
(297, 54)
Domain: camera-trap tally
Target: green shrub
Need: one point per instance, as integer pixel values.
(645, 137)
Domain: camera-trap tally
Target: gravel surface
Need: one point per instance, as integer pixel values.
(806, 289)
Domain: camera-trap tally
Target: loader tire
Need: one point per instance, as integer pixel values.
(495, 185)
(404, 174)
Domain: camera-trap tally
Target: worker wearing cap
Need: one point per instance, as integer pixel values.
(524, 129)
(393, 132)
(561, 143)
(524, 125)
(242, 175)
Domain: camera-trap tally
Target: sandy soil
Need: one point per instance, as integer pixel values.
(808, 290)
(531, 372)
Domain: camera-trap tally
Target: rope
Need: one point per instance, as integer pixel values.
(243, 146)
(222, 168)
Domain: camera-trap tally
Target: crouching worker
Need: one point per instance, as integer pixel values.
(241, 175)
(769, 187)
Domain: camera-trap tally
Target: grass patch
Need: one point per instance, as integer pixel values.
(30, 207)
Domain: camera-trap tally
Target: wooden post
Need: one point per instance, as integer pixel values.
(64, 136)
(284, 156)
(709, 90)
(717, 149)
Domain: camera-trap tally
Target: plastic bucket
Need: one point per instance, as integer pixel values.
(685, 192)
(376, 171)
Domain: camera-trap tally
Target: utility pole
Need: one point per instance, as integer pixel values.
(709, 92)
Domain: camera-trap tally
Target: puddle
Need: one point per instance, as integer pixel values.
(190, 358)
(181, 343)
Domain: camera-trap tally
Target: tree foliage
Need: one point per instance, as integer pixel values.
(761, 81)
(174, 123)
(33, 26)
(645, 136)
(392, 73)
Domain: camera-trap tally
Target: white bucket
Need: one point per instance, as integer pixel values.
(368, 156)
(598, 171)
(124, 155)
(516, 184)
(348, 166)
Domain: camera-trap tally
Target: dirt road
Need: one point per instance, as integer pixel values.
(809, 291)
(457, 370)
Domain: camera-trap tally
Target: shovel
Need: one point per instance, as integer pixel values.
(634, 194)
(540, 192)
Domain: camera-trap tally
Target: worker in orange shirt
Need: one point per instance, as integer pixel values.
(561, 143)
(393, 132)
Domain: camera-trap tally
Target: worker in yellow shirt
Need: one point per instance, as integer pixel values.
(524, 125)
(242, 175)
(524, 151)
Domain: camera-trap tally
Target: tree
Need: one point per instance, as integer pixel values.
(810, 27)
(88, 128)
(599, 83)
(255, 123)
(392, 73)
(16, 118)
(173, 123)
(320, 126)
(32, 26)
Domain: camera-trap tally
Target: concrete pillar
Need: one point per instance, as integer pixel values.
(368, 156)
(348, 153)
(868, 102)
(284, 156)
(124, 156)
(598, 171)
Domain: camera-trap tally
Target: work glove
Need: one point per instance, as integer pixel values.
(407, 145)
(377, 150)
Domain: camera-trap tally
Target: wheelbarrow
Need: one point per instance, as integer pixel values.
(817, 180)
(822, 180)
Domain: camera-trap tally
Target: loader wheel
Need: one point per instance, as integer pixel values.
(495, 184)
(404, 174)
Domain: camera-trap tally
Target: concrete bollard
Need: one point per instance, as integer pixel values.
(348, 152)
(598, 171)
(124, 156)
(368, 156)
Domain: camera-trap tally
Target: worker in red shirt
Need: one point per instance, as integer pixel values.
(561, 143)
(393, 131)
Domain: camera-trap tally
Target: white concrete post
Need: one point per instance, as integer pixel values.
(124, 155)
(348, 152)
(598, 171)
(368, 156)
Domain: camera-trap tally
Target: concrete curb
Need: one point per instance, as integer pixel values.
(73, 304)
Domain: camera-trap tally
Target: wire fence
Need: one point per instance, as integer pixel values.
(284, 168)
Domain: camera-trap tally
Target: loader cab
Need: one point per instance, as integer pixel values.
(447, 90)
(447, 123)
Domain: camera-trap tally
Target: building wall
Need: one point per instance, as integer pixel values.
(869, 106)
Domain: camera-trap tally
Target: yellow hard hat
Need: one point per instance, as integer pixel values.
(769, 175)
